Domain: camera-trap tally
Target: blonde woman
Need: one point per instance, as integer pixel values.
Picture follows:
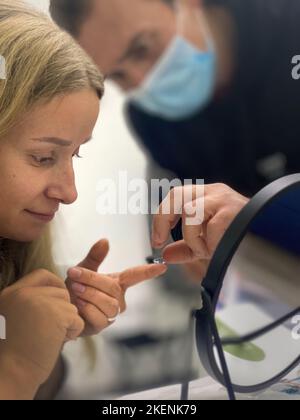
(49, 104)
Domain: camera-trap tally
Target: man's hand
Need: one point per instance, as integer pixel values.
(100, 297)
(221, 205)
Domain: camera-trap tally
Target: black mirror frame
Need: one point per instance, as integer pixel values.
(213, 281)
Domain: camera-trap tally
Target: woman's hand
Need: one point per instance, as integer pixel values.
(221, 206)
(39, 320)
(100, 297)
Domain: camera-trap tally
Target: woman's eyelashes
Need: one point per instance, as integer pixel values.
(77, 155)
(49, 160)
(42, 160)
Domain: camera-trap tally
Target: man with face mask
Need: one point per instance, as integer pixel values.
(209, 82)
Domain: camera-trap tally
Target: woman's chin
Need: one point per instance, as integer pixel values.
(24, 236)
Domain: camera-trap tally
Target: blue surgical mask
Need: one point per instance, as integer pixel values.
(181, 83)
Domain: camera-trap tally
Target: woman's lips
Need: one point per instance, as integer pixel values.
(42, 217)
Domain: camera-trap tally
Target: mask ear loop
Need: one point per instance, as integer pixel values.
(203, 27)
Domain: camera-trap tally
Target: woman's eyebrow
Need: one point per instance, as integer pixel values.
(58, 141)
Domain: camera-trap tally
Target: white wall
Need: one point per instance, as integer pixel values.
(42, 4)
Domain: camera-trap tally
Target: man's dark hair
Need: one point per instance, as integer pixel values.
(71, 14)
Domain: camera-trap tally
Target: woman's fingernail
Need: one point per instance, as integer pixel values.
(79, 288)
(81, 303)
(75, 273)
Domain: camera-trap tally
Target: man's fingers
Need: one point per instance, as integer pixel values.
(195, 241)
(133, 276)
(216, 229)
(171, 210)
(96, 255)
(178, 253)
(161, 228)
(168, 215)
(197, 270)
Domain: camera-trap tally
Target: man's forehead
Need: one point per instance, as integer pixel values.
(110, 21)
(104, 44)
(110, 11)
(111, 27)
(117, 15)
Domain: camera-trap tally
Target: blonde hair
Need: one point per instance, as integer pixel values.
(41, 63)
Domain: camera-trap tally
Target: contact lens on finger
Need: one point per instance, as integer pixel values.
(159, 261)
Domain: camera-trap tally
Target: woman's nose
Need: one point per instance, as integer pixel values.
(64, 189)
